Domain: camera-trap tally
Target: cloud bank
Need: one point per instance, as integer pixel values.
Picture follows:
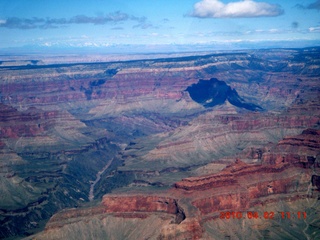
(240, 9)
(46, 23)
(314, 29)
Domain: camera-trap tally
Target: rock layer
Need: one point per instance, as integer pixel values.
(237, 188)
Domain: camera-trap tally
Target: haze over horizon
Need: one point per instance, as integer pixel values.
(158, 24)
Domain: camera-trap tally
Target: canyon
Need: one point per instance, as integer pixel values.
(195, 203)
(190, 137)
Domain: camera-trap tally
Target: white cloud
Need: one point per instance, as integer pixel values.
(274, 30)
(240, 9)
(47, 44)
(314, 29)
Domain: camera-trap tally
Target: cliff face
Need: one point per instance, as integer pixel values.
(301, 150)
(62, 124)
(122, 215)
(198, 201)
(215, 134)
(140, 203)
(245, 194)
(287, 175)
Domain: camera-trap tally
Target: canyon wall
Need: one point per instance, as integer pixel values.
(198, 202)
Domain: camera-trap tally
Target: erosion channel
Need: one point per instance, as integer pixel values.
(93, 183)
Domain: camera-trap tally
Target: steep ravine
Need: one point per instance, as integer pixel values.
(98, 175)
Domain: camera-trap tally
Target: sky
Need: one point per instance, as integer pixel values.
(156, 24)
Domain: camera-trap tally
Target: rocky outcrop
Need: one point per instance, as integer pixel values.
(137, 207)
(286, 173)
(247, 193)
(140, 204)
(228, 177)
(188, 229)
(197, 201)
(125, 206)
(301, 150)
(218, 135)
(15, 124)
(295, 151)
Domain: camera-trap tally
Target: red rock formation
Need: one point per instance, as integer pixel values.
(227, 177)
(139, 203)
(122, 206)
(284, 174)
(14, 124)
(301, 150)
(238, 187)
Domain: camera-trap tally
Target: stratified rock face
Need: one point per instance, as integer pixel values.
(140, 204)
(250, 190)
(198, 203)
(131, 206)
(215, 134)
(296, 151)
(241, 186)
(15, 124)
(159, 214)
(302, 150)
(70, 133)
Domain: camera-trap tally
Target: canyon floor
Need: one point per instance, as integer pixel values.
(212, 145)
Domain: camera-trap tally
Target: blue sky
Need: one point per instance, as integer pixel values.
(111, 23)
